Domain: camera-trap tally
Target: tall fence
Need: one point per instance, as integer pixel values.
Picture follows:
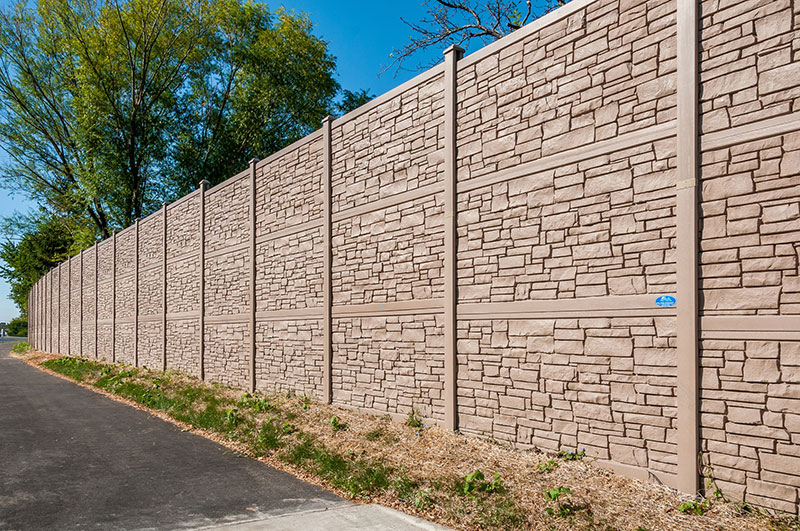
(499, 244)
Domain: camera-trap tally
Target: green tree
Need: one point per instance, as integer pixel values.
(41, 244)
(18, 327)
(353, 100)
(109, 108)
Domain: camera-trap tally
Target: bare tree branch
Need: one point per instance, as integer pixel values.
(466, 23)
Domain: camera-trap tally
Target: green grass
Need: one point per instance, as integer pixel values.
(21, 348)
(266, 427)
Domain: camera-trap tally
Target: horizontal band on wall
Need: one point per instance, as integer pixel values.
(378, 309)
(227, 250)
(297, 314)
(153, 318)
(183, 316)
(640, 473)
(386, 202)
(610, 306)
(183, 256)
(289, 231)
(760, 327)
(237, 318)
(742, 134)
(155, 265)
(125, 320)
(571, 156)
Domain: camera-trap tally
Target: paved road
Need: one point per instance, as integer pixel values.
(73, 459)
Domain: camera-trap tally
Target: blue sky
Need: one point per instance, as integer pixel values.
(361, 34)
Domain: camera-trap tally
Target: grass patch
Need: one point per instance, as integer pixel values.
(21, 348)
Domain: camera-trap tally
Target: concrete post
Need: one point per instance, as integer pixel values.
(136, 293)
(252, 274)
(96, 299)
(451, 57)
(114, 296)
(80, 321)
(688, 438)
(69, 306)
(202, 351)
(164, 289)
(327, 260)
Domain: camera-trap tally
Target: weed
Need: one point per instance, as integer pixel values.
(563, 508)
(374, 435)
(234, 417)
(305, 403)
(548, 466)
(269, 437)
(414, 421)
(288, 428)
(697, 507)
(337, 424)
(476, 482)
(256, 405)
(572, 456)
(21, 348)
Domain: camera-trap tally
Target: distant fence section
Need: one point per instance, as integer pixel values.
(583, 235)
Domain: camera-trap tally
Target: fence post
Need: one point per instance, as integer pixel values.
(327, 254)
(114, 296)
(96, 298)
(69, 306)
(164, 289)
(60, 268)
(451, 57)
(202, 291)
(252, 274)
(80, 321)
(136, 293)
(688, 436)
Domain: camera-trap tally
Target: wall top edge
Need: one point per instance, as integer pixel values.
(183, 199)
(393, 93)
(550, 18)
(297, 144)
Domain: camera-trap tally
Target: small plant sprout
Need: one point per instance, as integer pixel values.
(548, 466)
(305, 403)
(414, 421)
(233, 416)
(697, 507)
(337, 424)
(569, 455)
(476, 482)
(563, 508)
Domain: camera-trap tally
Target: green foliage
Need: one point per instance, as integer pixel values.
(109, 108)
(697, 507)
(571, 456)
(336, 424)
(18, 327)
(548, 466)
(256, 405)
(353, 100)
(563, 508)
(39, 244)
(414, 421)
(21, 348)
(476, 482)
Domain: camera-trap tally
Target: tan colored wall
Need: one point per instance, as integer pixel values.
(566, 153)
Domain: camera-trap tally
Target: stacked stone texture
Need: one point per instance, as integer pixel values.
(566, 224)
(750, 251)
(183, 285)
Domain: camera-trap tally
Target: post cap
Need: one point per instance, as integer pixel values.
(455, 49)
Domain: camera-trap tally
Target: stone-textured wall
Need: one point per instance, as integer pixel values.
(750, 251)
(565, 147)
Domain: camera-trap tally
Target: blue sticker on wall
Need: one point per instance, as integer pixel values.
(666, 301)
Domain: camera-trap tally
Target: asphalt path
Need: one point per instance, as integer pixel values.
(74, 459)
